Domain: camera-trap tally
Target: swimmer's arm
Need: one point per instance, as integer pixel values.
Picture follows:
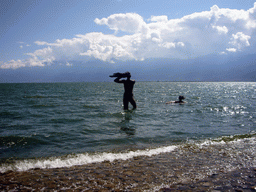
(175, 102)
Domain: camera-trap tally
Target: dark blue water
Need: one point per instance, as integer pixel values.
(52, 120)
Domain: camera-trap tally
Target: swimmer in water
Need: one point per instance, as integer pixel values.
(180, 100)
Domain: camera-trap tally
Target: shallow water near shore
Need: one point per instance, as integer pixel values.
(55, 128)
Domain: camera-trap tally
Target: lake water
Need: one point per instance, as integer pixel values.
(58, 125)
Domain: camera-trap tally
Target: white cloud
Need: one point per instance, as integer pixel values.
(41, 43)
(23, 43)
(221, 29)
(13, 64)
(240, 40)
(231, 50)
(162, 18)
(218, 31)
(68, 64)
(129, 22)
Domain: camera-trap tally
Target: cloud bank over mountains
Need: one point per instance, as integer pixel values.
(217, 31)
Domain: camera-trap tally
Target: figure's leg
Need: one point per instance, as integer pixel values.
(125, 102)
(132, 101)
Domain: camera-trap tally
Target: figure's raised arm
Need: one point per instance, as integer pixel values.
(117, 80)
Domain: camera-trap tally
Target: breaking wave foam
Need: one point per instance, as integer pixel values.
(80, 159)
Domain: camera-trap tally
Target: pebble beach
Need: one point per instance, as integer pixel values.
(188, 168)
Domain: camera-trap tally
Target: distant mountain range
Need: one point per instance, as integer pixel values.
(208, 68)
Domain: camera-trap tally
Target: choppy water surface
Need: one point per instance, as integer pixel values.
(76, 123)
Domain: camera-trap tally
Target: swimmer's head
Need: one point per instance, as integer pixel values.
(181, 97)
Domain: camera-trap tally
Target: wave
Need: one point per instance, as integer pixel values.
(91, 106)
(40, 97)
(66, 120)
(18, 141)
(80, 159)
(10, 115)
(45, 106)
(86, 158)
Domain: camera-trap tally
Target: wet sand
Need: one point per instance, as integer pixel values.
(190, 168)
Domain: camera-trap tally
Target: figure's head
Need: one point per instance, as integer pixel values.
(128, 74)
(181, 97)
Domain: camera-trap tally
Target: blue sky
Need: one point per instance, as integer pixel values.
(40, 33)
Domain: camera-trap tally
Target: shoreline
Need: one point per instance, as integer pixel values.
(237, 180)
(188, 168)
(243, 179)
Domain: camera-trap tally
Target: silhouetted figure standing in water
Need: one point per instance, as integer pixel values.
(128, 88)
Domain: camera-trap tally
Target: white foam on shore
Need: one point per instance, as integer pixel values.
(80, 159)
(231, 140)
(241, 149)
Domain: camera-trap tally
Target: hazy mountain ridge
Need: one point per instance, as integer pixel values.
(208, 68)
